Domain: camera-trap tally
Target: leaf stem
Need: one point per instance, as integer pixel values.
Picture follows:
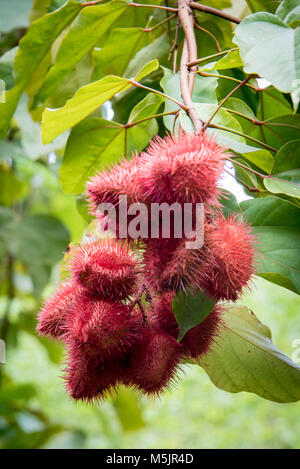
(131, 124)
(139, 85)
(241, 134)
(204, 59)
(224, 101)
(166, 20)
(215, 75)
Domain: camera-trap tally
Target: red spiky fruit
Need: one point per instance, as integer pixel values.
(153, 362)
(107, 185)
(107, 267)
(158, 254)
(182, 169)
(101, 327)
(198, 340)
(87, 377)
(53, 315)
(228, 264)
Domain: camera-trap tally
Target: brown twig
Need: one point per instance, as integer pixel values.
(189, 53)
(197, 25)
(185, 15)
(185, 91)
(174, 48)
(224, 101)
(215, 12)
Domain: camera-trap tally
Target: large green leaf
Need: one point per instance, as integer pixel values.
(121, 46)
(263, 5)
(245, 359)
(269, 48)
(104, 142)
(90, 25)
(33, 47)
(157, 49)
(287, 157)
(279, 130)
(277, 185)
(277, 225)
(191, 309)
(289, 11)
(86, 100)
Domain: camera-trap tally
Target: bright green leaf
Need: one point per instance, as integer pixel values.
(32, 49)
(86, 100)
(89, 26)
(280, 186)
(191, 309)
(245, 359)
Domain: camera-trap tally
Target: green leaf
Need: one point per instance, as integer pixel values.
(128, 409)
(272, 103)
(263, 5)
(158, 49)
(86, 100)
(229, 203)
(245, 359)
(281, 186)
(269, 47)
(104, 142)
(11, 188)
(277, 225)
(32, 49)
(191, 309)
(245, 176)
(289, 11)
(121, 46)
(280, 130)
(6, 68)
(287, 157)
(271, 211)
(90, 25)
(14, 14)
(231, 60)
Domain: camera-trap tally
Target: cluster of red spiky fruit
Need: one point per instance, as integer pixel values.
(114, 313)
